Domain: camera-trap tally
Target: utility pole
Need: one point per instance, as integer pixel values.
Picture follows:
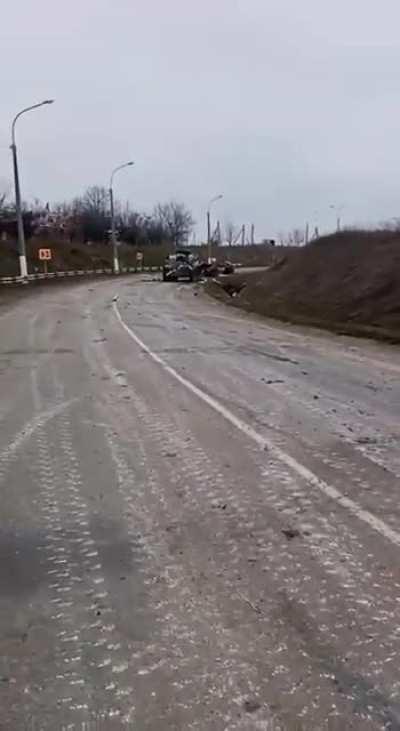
(338, 211)
(252, 235)
(218, 233)
(209, 242)
(243, 235)
(23, 267)
(307, 233)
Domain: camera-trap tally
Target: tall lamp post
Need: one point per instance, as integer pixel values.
(23, 269)
(113, 232)
(213, 200)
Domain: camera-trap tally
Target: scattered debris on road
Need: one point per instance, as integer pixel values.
(291, 533)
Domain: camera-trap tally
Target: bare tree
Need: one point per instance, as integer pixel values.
(229, 232)
(4, 212)
(92, 211)
(5, 191)
(392, 225)
(176, 220)
(297, 237)
(95, 200)
(87, 218)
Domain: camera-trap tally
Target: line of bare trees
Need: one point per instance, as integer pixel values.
(86, 218)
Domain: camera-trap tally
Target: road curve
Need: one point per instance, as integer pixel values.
(200, 517)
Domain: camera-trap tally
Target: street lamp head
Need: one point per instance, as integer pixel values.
(48, 101)
(120, 167)
(213, 200)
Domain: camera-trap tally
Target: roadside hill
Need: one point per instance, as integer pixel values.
(349, 281)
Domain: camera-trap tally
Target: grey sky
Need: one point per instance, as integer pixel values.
(283, 106)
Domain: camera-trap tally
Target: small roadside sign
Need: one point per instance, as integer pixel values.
(45, 254)
(139, 260)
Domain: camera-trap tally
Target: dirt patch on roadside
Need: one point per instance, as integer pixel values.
(348, 282)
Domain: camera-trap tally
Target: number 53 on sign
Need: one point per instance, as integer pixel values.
(45, 256)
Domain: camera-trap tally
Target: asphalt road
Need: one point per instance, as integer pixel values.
(199, 518)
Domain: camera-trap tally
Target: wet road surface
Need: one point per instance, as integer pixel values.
(200, 517)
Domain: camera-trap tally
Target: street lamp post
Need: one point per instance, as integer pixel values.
(23, 269)
(209, 248)
(113, 231)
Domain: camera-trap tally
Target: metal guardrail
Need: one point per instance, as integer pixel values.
(76, 273)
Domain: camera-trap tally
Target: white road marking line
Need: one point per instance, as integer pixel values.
(264, 443)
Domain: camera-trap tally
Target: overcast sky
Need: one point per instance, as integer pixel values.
(285, 107)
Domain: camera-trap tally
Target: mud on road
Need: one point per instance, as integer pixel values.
(199, 517)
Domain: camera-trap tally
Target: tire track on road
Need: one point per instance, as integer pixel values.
(86, 680)
(10, 453)
(83, 682)
(266, 444)
(209, 689)
(348, 585)
(335, 596)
